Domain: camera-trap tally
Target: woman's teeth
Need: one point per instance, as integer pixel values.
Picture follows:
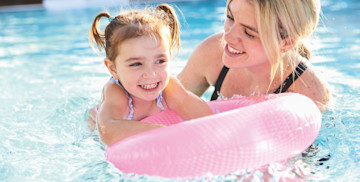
(234, 51)
(149, 86)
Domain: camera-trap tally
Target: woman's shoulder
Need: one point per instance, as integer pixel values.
(212, 44)
(313, 86)
(203, 65)
(209, 53)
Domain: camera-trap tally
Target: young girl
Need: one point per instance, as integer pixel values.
(138, 46)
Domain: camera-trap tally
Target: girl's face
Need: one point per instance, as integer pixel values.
(141, 66)
(243, 47)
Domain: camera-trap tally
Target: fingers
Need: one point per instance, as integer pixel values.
(91, 120)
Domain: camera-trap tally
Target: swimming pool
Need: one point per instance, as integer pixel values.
(50, 76)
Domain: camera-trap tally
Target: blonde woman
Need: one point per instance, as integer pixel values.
(259, 52)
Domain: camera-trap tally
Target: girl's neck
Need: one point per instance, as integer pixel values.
(144, 108)
(141, 103)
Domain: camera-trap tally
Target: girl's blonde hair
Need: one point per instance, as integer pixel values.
(133, 24)
(278, 20)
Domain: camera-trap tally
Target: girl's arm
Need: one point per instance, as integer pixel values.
(183, 102)
(111, 125)
(112, 130)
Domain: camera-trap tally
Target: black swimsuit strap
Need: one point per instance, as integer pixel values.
(301, 67)
(219, 82)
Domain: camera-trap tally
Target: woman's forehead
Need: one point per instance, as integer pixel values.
(243, 12)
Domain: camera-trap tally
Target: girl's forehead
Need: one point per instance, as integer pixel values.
(142, 46)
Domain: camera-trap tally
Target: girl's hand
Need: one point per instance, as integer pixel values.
(93, 112)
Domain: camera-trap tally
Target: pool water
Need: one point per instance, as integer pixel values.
(50, 77)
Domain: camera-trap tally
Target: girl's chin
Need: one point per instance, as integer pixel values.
(150, 96)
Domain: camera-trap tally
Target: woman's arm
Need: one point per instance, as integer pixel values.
(312, 86)
(203, 66)
(316, 89)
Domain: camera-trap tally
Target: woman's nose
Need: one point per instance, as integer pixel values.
(232, 34)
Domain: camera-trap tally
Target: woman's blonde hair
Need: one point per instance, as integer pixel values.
(133, 24)
(278, 20)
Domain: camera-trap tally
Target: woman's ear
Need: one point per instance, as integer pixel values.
(111, 67)
(287, 44)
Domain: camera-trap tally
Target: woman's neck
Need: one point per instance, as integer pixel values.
(259, 78)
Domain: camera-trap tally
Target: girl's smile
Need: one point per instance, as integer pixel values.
(150, 86)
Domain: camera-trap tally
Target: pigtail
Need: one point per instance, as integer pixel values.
(95, 32)
(173, 21)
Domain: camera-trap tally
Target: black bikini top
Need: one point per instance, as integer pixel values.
(301, 67)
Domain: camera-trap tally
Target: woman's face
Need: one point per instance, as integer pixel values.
(243, 47)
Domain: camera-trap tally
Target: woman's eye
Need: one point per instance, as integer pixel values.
(135, 64)
(229, 17)
(249, 35)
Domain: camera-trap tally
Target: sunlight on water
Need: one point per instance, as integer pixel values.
(50, 77)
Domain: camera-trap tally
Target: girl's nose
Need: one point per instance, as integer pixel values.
(149, 72)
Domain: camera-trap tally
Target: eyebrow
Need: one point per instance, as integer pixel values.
(142, 58)
(160, 55)
(134, 59)
(246, 26)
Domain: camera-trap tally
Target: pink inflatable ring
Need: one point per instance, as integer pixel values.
(245, 133)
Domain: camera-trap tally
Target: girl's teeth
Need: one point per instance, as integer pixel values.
(234, 51)
(149, 86)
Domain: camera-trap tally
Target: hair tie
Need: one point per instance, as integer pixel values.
(111, 18)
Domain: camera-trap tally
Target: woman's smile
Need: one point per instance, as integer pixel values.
(232, 52)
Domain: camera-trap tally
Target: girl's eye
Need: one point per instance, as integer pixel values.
(135, 64)
(249, 35)
(160, 61)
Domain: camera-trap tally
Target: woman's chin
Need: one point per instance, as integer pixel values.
(233, 63)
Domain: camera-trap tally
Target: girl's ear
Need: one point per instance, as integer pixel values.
(287, 44)
(111, 67)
